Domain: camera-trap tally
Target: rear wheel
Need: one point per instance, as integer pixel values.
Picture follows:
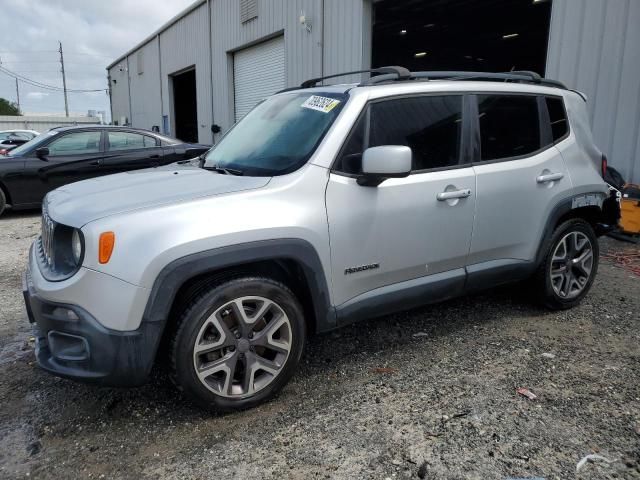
(570, 265)
(238, 344)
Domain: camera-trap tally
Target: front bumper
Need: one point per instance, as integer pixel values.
(71, 343)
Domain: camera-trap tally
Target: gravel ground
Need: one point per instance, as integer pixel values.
(429, 393)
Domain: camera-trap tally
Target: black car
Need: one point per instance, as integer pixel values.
(69, 154)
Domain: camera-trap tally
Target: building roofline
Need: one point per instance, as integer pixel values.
(164, 27)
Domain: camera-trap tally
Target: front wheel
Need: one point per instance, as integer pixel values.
(238, 344)
(570, 265)
(3, 202)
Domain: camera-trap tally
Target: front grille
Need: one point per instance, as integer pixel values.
(47, 239)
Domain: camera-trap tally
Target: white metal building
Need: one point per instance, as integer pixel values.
(213, 62)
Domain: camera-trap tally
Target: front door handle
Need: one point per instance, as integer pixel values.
(464, 193)
(95, 163)
(549, 177)
(154, 156)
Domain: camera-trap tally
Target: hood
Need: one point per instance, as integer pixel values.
(78, 203)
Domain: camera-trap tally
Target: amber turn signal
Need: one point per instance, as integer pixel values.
(105, 247)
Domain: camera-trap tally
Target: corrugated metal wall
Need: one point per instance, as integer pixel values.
(343, 25)
(594, 47)
(119, 91)
(183, 45)
(303, 49)
(145, 87)
(347, 38)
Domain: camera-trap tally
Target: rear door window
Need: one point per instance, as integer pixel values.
(509, 126)
(129, 141)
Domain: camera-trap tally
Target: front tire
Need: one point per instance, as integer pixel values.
(238, 344)
(570, 265)
(3, 202)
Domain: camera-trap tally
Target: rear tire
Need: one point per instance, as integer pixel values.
(569, 267)
(237, 344)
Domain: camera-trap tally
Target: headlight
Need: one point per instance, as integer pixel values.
(76, 246)
(60, 250)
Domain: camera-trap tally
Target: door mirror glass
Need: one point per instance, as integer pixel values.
(42, 153)
(380, 163)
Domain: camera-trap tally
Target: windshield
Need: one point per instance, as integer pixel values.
(278, 136)
(33, 143)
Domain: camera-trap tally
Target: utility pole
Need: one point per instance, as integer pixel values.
(18, 94)
(64, 82)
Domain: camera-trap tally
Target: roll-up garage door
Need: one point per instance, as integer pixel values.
(258, 72)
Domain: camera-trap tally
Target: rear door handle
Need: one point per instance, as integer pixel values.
(549, 177)
(95, 163)
(464, 193)
(154, 156)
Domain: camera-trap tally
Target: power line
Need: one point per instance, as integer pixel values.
(55, 51)
(45, 86)
(28, 51)
(45, 61)
(90, 55)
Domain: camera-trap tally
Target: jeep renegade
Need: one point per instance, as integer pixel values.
(322, 206)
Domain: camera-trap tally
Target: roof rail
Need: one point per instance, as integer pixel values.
(516, 76)
(398, 73)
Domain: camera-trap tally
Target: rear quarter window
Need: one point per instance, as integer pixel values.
(557, 117)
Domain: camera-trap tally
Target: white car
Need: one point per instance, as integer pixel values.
(10, 139)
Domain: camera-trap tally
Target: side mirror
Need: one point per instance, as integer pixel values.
(380, 163)
(42, 153)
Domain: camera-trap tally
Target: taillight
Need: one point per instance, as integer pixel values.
(3, 151)
(604, 165)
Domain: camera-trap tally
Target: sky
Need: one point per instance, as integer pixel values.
(93, 34)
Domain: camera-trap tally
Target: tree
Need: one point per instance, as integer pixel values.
(8, 108)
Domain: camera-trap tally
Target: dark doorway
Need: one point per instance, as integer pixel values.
(185, 106)
(469, 35)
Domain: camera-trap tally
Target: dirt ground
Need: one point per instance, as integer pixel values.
(427, 394)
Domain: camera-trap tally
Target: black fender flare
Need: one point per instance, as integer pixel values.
(562, 208)
(177, 272)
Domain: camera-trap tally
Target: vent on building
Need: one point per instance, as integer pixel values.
(248, 10)
(140, 64)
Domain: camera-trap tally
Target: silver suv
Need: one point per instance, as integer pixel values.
(322, 206)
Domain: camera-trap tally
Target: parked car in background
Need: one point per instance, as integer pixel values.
(10, 139)
(69, 154)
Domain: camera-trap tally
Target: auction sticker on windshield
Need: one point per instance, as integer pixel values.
(321, 104)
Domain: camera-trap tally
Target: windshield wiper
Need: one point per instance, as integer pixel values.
(225, 171)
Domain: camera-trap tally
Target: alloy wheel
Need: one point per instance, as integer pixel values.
(571, 265)
(242, 347)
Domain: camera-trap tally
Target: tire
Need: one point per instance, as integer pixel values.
(3, 202)
(262, 346)
(568, 270)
